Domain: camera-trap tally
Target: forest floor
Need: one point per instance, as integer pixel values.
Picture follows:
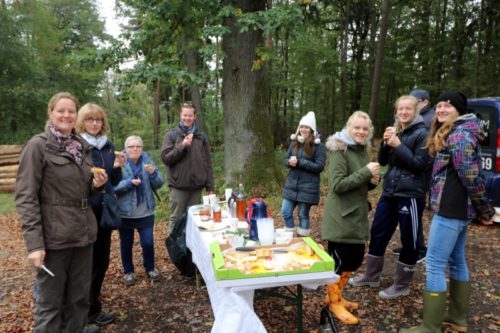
(176, 305)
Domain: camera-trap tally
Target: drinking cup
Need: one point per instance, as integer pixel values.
(206, 200)
(265, 231)
(227, 193)
(205, 213)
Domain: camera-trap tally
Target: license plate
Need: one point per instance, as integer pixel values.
(487, 163)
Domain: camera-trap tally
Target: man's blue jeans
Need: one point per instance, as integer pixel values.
(447, 238)
(147, 244)
(287, 208)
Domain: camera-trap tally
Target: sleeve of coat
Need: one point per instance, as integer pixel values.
(171, 151)
(317, 164)
(339, 179)
(210, 172)
(28, 181)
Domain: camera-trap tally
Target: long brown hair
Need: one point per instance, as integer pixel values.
(308, 147)
(437, 135)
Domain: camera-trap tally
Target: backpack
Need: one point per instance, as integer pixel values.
(177, 248)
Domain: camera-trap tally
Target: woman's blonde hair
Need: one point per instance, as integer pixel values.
(91, 110)
(414, 103)
(350, 123)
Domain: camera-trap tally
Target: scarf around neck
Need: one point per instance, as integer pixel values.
(187, 131)
(71, 143)
(95, 141)
(137, 173)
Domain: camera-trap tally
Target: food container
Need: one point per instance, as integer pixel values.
(322, 263)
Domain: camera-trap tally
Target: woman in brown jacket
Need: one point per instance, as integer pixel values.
(53, 184)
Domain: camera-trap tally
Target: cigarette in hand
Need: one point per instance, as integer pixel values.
(48, 271)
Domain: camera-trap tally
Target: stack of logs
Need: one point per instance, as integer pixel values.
(9, 163)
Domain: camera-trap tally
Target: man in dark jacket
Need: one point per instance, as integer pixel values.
(186, 154)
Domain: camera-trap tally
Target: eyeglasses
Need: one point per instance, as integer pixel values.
(91, 120)
(134, 147)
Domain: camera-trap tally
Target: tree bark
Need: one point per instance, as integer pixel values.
(248, 147)
(379, 57)
(156, 116)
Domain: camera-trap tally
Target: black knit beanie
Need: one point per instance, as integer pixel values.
(455, 98)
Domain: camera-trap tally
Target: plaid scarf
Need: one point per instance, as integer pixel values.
(72, 143)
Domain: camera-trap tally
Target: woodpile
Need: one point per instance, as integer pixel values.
(9, 163)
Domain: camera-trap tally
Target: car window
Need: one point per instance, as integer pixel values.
(488, 118)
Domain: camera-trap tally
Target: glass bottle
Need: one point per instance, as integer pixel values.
(241, 204)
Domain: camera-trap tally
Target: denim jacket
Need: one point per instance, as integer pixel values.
(125, 189)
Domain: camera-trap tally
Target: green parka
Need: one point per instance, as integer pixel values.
(345, 218)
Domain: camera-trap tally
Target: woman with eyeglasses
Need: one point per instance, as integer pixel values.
(53, 186)
(137, 208)
(92, 124)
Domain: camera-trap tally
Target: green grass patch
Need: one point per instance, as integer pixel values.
(7, 202)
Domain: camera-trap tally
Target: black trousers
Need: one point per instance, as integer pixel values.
(347, 257)
(100, 263)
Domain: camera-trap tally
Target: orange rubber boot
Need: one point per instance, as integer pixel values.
(349, 305)
(336, 306)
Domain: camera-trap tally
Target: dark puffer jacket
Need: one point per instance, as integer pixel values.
(408, 174)
(302, 183)
(52, 192)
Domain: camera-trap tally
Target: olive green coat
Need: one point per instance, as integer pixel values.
(345, 218)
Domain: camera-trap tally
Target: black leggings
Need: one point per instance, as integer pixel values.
(347, 257)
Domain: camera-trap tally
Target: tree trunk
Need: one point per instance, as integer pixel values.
(343, 61)
(156, 116)
(377, 69)
(192, 65)
(248, 147)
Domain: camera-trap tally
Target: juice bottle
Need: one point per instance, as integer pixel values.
(241, 204)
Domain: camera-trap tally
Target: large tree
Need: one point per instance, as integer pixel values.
(248, 145)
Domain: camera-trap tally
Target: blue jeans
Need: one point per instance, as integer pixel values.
(447, 238)
(147, 244)
(287, 208)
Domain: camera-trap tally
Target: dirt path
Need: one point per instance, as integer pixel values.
(176, 305)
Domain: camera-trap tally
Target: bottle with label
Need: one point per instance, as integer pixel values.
(241, 204)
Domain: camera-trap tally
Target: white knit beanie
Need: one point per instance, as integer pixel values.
(308, 120)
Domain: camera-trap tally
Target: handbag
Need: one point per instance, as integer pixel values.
(110, 217)
(326, 321)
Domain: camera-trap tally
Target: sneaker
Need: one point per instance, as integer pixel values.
(154, 275)
(397, 250)
(101, 318)
(129, 279)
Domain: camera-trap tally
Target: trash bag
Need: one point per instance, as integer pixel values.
(177, 248)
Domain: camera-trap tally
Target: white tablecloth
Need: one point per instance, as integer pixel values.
(233, 306)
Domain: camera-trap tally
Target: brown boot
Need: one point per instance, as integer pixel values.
(337, 308)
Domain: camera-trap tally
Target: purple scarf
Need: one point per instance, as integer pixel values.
(72, 143)
(137, 173)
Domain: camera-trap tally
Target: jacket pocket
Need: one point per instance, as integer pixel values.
(348, 210)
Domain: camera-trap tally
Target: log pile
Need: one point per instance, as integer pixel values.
(9, 163)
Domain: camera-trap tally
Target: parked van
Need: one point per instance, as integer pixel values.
(487, 109)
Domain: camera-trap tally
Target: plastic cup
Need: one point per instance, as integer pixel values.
(227, 193)
(206, 200)
(265, 231)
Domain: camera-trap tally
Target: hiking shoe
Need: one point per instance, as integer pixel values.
(91, 329)
(129, 279)
(397, 250)
(101, 318)
(154, 275)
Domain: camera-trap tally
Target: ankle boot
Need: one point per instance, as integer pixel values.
(401, 284)
(456, 317)
(371, 278)
(336, 306)
(434, 306)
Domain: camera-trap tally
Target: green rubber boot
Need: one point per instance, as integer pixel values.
(456, 317)
(434, 307)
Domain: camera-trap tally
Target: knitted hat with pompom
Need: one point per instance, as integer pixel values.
(308, 120)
